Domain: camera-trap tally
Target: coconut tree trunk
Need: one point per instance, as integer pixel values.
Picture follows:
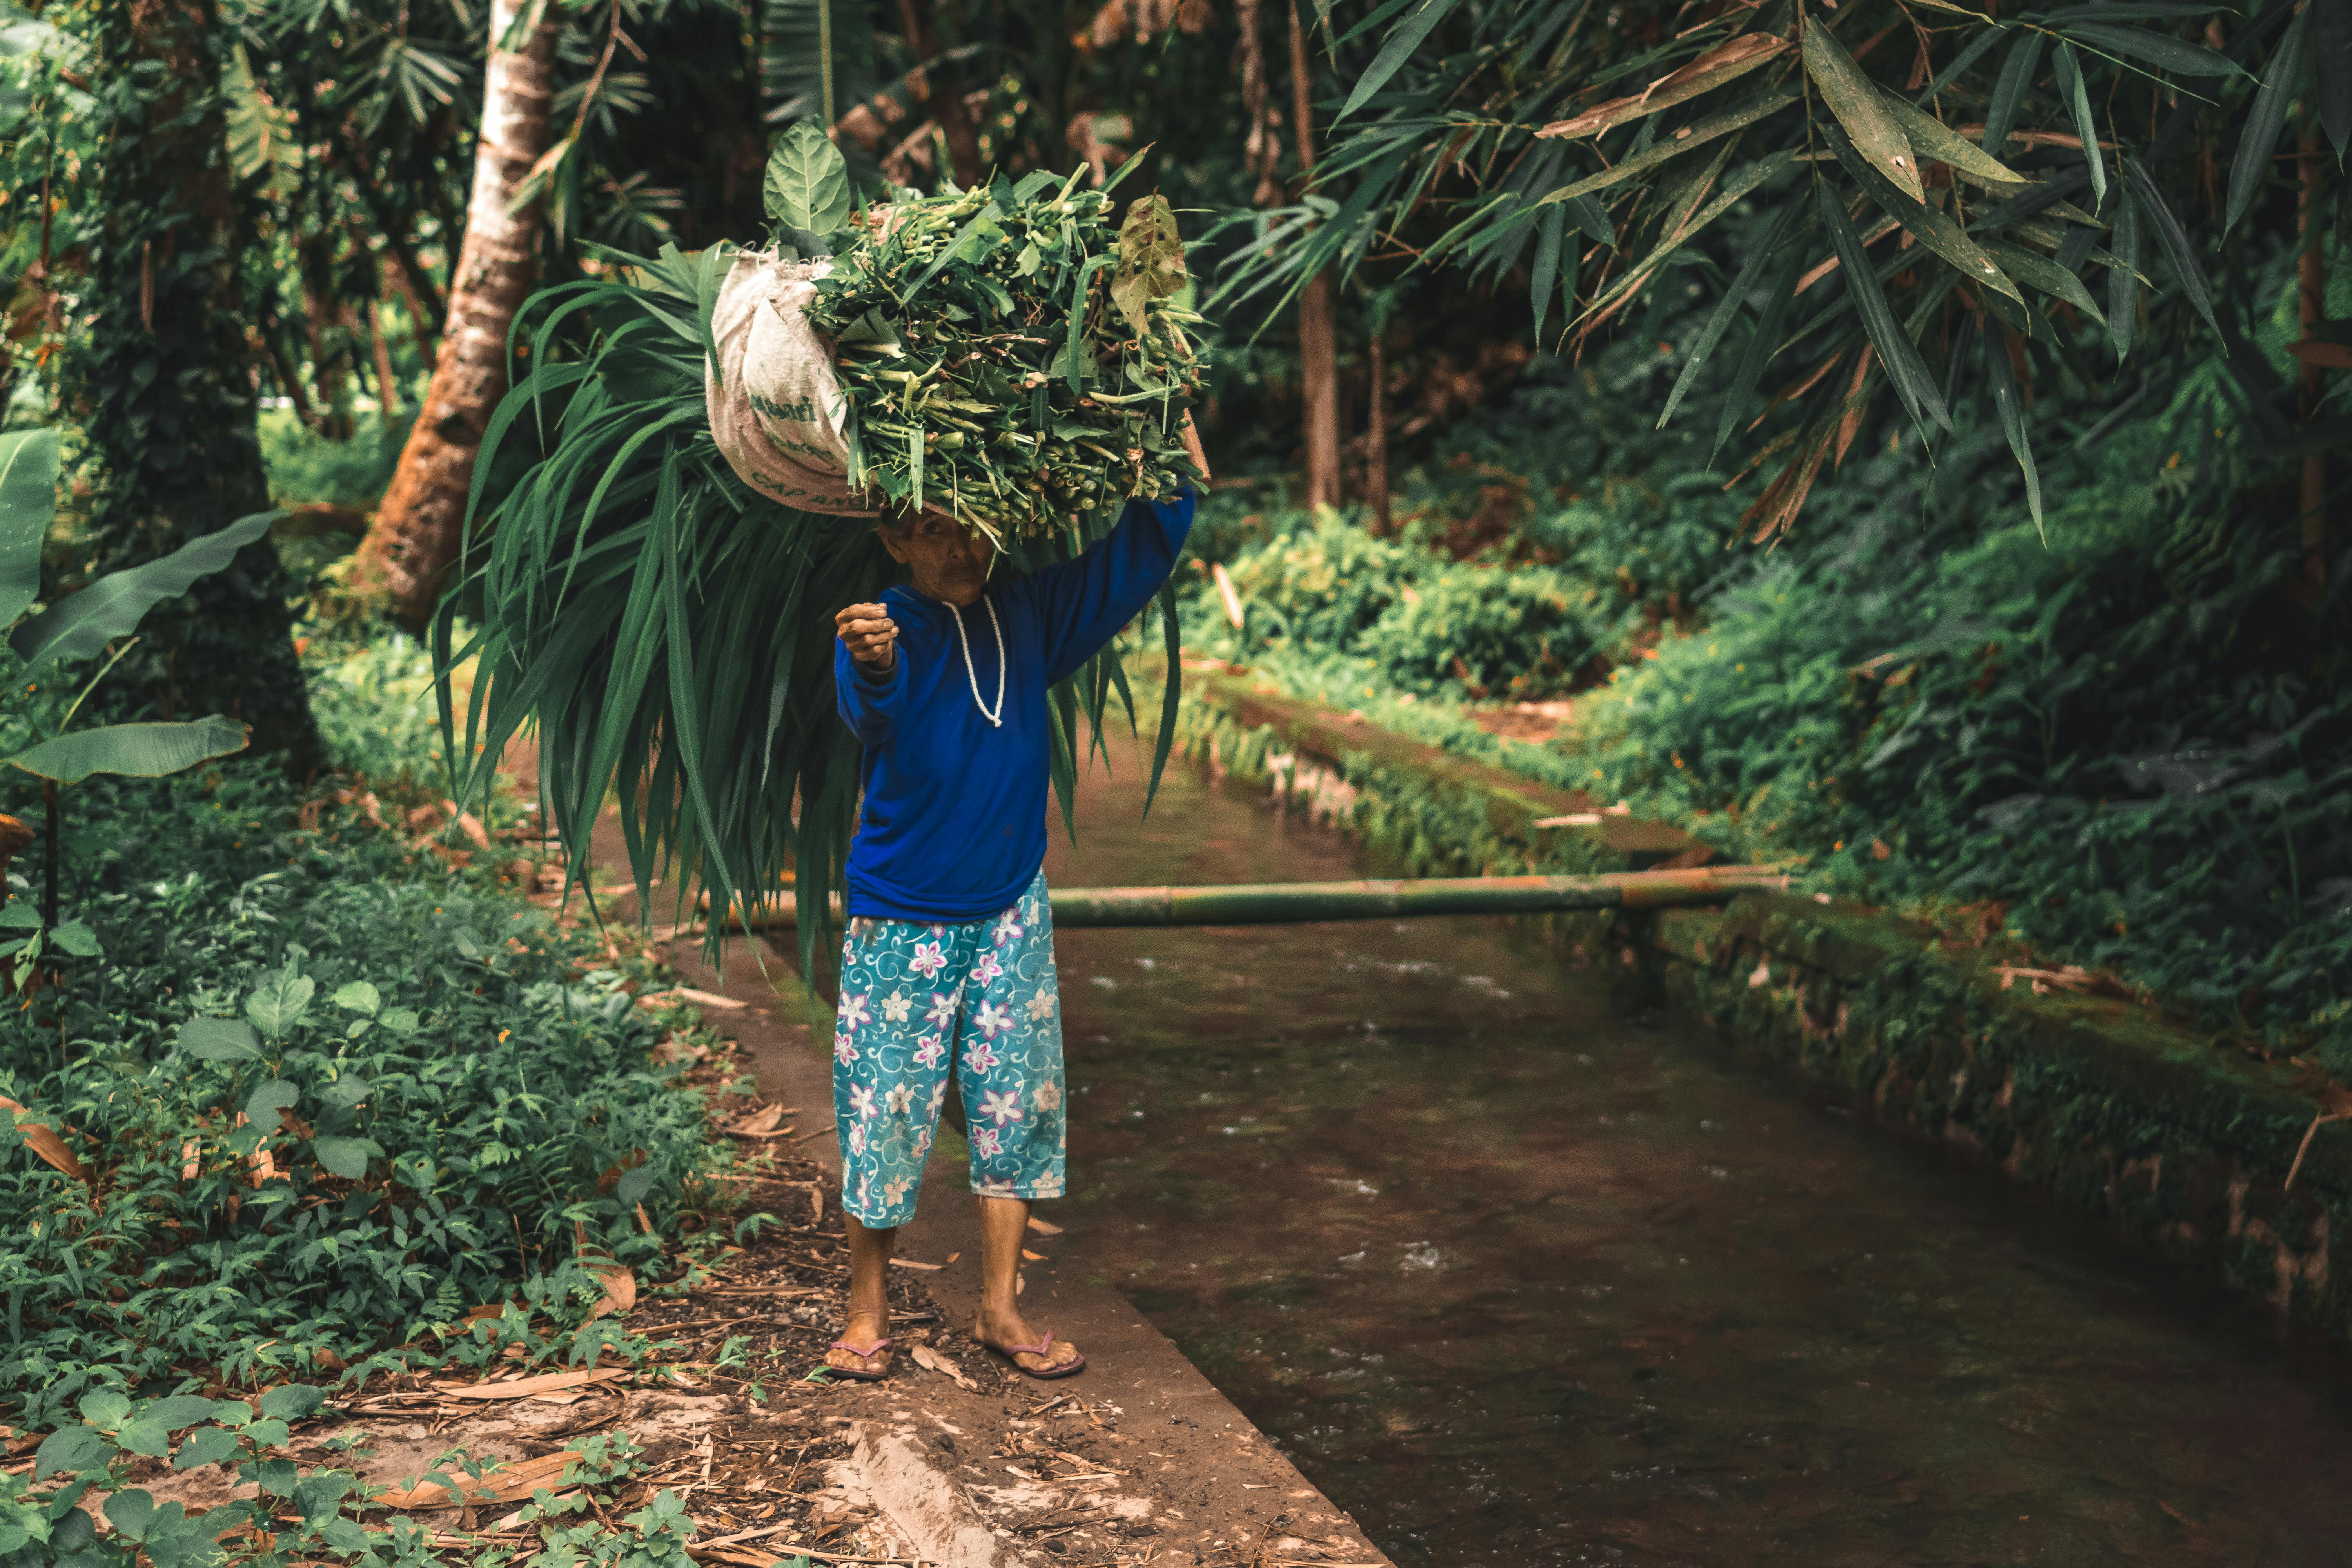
(407, 555)
(1318, 362)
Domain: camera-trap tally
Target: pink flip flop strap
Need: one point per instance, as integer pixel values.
(869, 1350)
(1040, 1347)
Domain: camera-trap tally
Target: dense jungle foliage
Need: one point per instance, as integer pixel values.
(2126, 743)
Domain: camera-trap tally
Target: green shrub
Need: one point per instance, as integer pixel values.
(305, 466)
(457, 1096)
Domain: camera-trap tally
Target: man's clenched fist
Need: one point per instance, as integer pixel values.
(870, 635)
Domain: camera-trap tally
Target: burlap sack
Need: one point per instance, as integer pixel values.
(775, 407)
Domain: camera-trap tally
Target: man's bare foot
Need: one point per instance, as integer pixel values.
(1001, 1333)
(865, 1328)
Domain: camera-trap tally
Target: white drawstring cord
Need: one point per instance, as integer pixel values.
(971, 674)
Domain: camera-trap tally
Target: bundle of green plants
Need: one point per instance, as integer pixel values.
(669, 627)
(1008, 356)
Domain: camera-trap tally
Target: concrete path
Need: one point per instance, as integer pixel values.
(1137, 1460)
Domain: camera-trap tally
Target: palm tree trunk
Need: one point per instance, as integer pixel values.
(407, 554)
(1319, 353)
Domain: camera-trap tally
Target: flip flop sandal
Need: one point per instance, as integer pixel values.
(1042, 1348)
(867, 1353)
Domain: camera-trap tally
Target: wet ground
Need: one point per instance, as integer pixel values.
(1520, 1281)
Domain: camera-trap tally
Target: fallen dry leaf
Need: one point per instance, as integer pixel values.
(504, 1483)
(525, 1387)
(620, 1291)
(932, 1361)
(43, 1139)
(760, 1124)
(1033, 1256)
(910, 1263)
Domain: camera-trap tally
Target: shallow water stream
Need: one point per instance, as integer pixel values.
(1518, 1280)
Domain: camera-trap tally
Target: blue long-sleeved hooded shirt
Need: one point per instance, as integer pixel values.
(953, 824)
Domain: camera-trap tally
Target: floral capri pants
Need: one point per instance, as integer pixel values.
(915, 997)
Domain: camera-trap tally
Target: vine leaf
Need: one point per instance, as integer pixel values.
(1858, 107)
(807, 186)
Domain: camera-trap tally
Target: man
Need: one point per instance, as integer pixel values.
(948, 966)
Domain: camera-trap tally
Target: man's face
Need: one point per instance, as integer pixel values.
(949, 561)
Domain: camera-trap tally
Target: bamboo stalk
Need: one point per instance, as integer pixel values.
(1289, 903)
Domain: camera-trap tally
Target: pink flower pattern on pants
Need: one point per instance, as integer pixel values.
(990, 1021)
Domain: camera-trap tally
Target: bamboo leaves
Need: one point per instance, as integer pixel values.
(2170, 238)
(2267, 119)
(1860, 110)
(1423, 16)
(2078, 101)
(1921, 398)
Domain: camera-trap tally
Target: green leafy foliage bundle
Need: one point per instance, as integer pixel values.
(1007, 356)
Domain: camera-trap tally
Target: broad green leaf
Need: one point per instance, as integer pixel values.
(1423, 15)
(1921, 398)
(807, 185)
(633, 1184)
(71, 1448)
(2160, 50)
(400, 1021)
(291, 1401)
(359, 997)
(77, 938)
(206, 1446)
(269, 1098)
(1930, 138)
(29, 498)
(220, 1040)
(131, 1510)
(346, 1091)
(346, 1157)
(1859, 107)
(2077, 93)
(80, 627)
(278, 1004)
(133, 751)
(2265, 120)
(106, 1407)
(175, 1411)
(2172, 240)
